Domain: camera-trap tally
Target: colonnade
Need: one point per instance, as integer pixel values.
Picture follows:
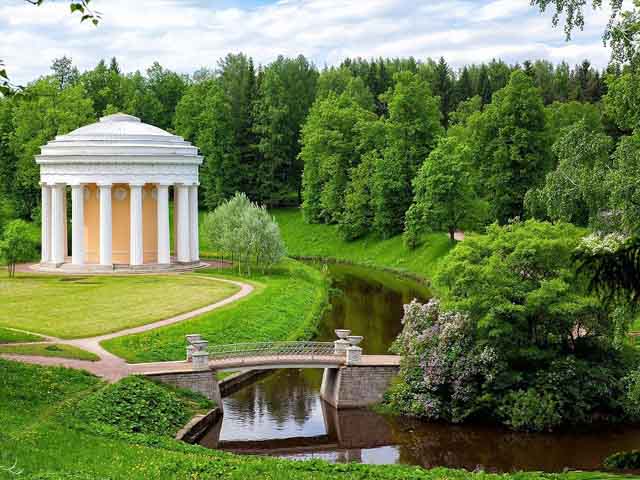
(54, 223)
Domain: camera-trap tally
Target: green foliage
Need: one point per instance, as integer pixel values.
(43, 112)
(412, 131)
(204, 117)
(17, 245)
(523, 341)
(134, 405)
(245, 231)
(623, 461)
(531, 410)
(444, 197)
(575, 191)
(631, 399)
(331, 138)
(622, 183)
(286, 92)
(511, 146)
(519, 283)
(560, 115)
(357, 218)
(622, 99)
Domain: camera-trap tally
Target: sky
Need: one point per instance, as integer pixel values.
(185, 35)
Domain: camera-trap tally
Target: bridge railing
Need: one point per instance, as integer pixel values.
(272, 349)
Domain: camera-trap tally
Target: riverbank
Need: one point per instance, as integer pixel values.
(42, 439)
(304, 240)
(286, 304)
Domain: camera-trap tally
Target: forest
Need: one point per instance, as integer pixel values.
(380, 145)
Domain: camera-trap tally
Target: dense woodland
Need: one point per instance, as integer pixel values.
(346, 142)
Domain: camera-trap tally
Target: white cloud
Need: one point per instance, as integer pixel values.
(187, 35)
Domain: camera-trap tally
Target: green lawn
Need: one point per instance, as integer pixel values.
(44, 438)
(8, 335)
(286, 304)
(75, 307)
(50, 350)
(313, 240)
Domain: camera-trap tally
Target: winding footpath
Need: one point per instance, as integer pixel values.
(109, 366)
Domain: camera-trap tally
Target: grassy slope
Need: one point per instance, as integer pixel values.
(49, 350)
(285, 305)
(12, 336)
(74, 307)
(39, 434)
(303, 239)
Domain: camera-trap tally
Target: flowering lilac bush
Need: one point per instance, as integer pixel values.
(445, 370)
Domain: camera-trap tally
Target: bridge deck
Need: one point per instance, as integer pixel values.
(265, 363)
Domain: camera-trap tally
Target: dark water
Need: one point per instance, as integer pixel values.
(283, 414)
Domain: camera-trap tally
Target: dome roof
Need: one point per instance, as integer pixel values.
(115, 136)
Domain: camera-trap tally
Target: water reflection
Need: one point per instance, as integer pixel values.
(283, 414)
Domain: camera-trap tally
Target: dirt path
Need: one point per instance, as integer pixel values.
(111, 367)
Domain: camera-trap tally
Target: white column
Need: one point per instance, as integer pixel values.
(77, 224)
(57, 224)
(136, 252)
(45, 220)
(106, 256)
(164, 255)
(182, 222)
(193, 221)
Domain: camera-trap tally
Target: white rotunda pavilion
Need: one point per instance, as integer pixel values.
(119, 171)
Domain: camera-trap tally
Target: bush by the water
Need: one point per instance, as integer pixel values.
(623, 461)
(135, 405)
(517, 339)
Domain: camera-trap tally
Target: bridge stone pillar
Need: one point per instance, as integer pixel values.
(356, 386)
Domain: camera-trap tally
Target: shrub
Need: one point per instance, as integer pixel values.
(246, 232)
(531, 410)
(623, 461)
(135, 405)
(631, 396)
(17, 245)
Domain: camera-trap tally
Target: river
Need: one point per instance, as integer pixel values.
(283, 415)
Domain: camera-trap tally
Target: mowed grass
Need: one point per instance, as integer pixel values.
(76, 307)
(50, 350)
(313, 240)
(42, 438)
(286, 304)
(8, 335)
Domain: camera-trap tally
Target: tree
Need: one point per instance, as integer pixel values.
(204, 117)
(560, 115)
(575, 191)
(167, 87)
(444, 198)
(622, 32)
(622, 183)
(39, 115)
(245, 231)
(286, 92)
(622, 100)
(65, 72)
(511, 146)
(330, 143)
(357, 219)
(412, 131)
(17, 245)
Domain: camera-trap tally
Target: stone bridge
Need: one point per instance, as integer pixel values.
(350, 378)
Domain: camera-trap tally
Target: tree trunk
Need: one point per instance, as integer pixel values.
(452, 234)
